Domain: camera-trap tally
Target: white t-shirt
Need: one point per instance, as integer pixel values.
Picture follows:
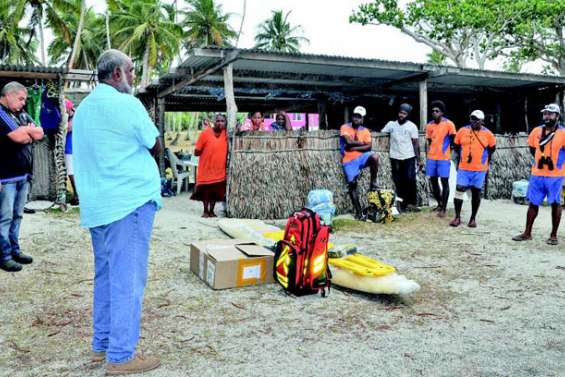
(401, 147)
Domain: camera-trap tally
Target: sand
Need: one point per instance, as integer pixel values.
(488, 306)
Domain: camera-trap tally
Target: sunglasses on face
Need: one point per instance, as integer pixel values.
(436, 111)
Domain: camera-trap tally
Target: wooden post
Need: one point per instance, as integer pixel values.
(323, 124)
(423, 95)
(526, 114)
(160, 123)
(345, 114)
(59, 151)
(231, 106)
(498, 119)
(231, 110)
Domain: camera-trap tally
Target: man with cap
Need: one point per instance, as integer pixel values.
(404, 154)
(475, 145)
(356, 143)
(440, 133)
(547, 145)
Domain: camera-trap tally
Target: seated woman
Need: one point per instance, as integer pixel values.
(255, 122)
(282, 122)
(212, 148)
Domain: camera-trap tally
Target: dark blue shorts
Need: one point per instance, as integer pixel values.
(468, 178)
(540, 187)
(438, 168)
(353, 168)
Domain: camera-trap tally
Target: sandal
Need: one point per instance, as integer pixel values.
(552, 241)
(521, 237)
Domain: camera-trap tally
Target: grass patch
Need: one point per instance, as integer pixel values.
(58, 213)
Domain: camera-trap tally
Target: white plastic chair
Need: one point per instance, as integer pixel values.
(180, 170)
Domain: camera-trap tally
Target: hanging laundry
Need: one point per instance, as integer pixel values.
(50, 115)
(33, 106)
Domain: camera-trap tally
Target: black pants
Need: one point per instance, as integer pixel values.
(404, 177)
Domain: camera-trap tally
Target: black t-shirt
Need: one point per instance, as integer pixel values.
(15, 159)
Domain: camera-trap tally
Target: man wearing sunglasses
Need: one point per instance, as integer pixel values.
(547, 145)
(475, 145)
(440, 133)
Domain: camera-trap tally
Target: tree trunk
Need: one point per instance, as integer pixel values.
(145, 72)
(76, 44)
(242, 20)
(193, 125)
(108, 40)
(42, 43)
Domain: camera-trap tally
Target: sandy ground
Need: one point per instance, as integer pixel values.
(488, 306)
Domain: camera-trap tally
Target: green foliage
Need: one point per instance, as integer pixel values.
(145, 29)
(207, 25)
(435, 57)
(16, 43)
(92, 38)
(539, 32)
(276, 34)
(462, 30)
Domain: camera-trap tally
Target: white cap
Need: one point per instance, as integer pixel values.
(478, 114)
(360, 110)
(552, 108)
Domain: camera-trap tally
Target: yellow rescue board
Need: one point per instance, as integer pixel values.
(362, 265)
(365, 274)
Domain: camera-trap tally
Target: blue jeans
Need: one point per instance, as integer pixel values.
(121, 250)
(13, 198)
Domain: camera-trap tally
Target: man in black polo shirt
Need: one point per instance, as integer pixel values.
(16, 135)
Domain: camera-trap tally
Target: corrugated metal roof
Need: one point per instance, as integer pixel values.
(31, 68)
(273, 68)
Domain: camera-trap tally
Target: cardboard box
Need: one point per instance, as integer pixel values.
(231, 263)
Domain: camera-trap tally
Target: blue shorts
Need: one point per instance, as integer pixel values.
(353, 168)
(468, 178)
(438, 168)
(540, 187)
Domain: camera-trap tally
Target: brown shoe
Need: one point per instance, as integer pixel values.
(97, 357)
(139, 364)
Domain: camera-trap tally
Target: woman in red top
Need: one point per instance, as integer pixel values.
(212, 148)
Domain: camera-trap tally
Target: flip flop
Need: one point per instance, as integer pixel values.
(552, 241)
(455, 222)
(521, 237)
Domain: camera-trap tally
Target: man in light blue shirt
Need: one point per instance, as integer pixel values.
(119, 188)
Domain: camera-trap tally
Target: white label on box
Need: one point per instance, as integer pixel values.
(201, 265)
(252, 272)
(210, 272)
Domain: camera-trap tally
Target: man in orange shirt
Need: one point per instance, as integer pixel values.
(355, 142)
(440, 133)
(475, 145)
(547, 145)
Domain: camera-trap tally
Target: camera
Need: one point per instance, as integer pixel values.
(545, 160)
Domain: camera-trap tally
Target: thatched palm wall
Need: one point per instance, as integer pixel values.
(270, 175)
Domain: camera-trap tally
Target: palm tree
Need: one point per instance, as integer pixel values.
(146, 30)
(88, 47)
(276, 34)
(46, 11)
(207, 25)
(16, 43)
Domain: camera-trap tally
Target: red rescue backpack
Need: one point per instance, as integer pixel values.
(301, 258)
